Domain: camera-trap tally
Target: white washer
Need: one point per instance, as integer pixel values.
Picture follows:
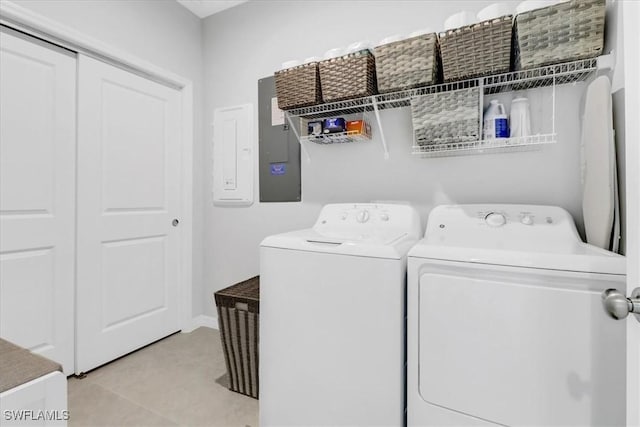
(505, 321)
(332, 318)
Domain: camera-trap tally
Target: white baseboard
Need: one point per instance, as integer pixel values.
(201, 321)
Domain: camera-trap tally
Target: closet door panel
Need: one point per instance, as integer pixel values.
(128, 195)
(37, 197)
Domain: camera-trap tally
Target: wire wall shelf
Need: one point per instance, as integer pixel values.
(333, 138)
(548, 76)
(558, 74)
(403, 98)
(353, 132)
(349, 106)
(501, 145)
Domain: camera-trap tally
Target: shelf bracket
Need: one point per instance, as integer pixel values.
(553, 101)
(297, 134)
(607, 61)
(374, 102)
(481, 108)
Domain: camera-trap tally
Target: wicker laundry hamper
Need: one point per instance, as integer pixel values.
(477, 50)
(446, 117)
(408, 63)
(349, 76)
(298, 86)
(239, 321)
(564, 32)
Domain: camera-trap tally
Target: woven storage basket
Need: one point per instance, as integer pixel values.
(298, 86)
(446, 117)
(408, 63)
(238, 315)
(560, 33)
(477, 50)
(349, 76)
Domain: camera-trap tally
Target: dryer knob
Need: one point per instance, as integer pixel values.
(495, 219)
(363, 216)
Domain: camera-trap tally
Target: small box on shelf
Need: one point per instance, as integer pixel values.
(359, 127)
(338, 129)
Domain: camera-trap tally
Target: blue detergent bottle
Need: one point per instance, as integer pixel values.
(496, 123)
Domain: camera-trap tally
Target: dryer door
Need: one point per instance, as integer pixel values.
(520, 346)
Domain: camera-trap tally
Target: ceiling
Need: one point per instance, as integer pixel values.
(204, 8)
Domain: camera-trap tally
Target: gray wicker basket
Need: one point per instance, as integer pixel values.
(477, 50)
(298, 86)
(446, 117)
(349, 76)
(408, 63)
(560, 33)
(239, 318)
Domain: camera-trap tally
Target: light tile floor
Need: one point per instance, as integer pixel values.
(180, 380)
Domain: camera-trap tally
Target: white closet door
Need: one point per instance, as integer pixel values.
(37, 197)
(129, 154)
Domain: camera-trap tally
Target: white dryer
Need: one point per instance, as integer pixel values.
(332, 318)
(506, 324)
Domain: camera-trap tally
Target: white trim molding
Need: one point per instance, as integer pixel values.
(202, 321)
(186, 253)
(29, 22)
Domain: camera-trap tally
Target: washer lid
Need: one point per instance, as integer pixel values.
(392, 246)
(515, 235)
(372, 230)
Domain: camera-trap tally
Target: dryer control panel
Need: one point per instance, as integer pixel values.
(501, 226)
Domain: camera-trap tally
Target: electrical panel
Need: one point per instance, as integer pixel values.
(279, 149)
(233, 155)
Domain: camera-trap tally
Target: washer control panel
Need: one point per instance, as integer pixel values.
(369, 218)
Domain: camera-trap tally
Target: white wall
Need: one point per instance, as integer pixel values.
(248, 42)
(163, 33)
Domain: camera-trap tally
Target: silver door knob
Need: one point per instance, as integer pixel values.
(175, 222)
(619, 306)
